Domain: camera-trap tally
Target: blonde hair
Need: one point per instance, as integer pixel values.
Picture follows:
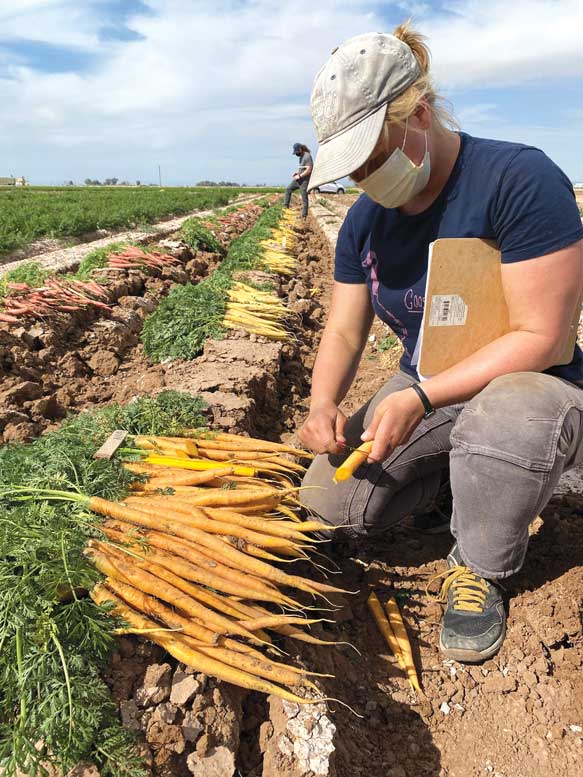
(403, 106)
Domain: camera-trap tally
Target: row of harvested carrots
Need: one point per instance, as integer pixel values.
(189, 558)
(55, 296)
(135, 258)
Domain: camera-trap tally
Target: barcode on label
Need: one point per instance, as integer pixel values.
(447, 310)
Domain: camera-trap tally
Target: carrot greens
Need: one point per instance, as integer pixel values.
(55, 708)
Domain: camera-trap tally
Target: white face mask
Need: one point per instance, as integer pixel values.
(398, 179)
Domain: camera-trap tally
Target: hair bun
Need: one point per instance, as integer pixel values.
(416, 43)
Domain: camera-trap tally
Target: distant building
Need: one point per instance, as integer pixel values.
(13, 181)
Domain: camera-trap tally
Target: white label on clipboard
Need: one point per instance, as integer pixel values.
(447, 310)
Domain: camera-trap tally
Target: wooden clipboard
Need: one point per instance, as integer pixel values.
(465, 308)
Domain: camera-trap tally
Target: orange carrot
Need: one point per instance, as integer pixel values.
(187, 550)
(189, 571)
(226, 553)
(192, 657)
(151, 584)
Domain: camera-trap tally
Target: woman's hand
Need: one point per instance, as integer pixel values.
(323, 430)
(394, 421)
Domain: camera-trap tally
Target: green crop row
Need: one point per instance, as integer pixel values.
(29, 214)
(191, 313)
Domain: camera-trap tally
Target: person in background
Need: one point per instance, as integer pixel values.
(301, 179)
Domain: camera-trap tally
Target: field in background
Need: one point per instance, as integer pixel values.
(34, 213)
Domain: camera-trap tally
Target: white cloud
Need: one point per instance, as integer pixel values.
(221, 89)
(500, 43)
(478, 114)
(58, 22)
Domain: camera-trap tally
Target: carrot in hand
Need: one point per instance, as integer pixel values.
(353, 462)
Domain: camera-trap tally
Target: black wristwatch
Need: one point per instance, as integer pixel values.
(429, 409)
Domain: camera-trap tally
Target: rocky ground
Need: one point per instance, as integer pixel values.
(518, 715)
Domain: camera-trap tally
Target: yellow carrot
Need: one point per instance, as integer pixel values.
(190, 571)
(273, 621)
(224, 517)
(226, 553)
(149, 605)
(353, 462)
(196, 464)
(192, 657)
(195, 554)
(168, 572)
(174, 477)
(156, 506)
(164, 444)
(382, 622)
(223, 441)
(400, 632)
(151, 584)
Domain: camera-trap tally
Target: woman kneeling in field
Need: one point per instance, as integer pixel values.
(504, 423)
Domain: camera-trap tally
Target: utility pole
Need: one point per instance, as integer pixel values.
(159, 175)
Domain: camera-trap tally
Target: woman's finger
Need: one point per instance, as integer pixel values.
(340, 423)
(371, 430)
(382, 446)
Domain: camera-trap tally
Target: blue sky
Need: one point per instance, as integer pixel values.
(221, 89)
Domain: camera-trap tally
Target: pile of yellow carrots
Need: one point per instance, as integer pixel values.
(279, 249)
(255, 311)
(262, 312)
(187, 558)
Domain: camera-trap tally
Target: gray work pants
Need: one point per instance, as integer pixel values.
(506, 450)
(303, 187)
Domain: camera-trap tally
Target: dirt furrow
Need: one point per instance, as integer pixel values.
(76, 361)
(520, 713)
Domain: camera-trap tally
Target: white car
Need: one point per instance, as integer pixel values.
(330, 188)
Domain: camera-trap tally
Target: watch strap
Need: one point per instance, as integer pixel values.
(429, 409)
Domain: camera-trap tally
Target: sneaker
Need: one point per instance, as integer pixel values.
(474, 622)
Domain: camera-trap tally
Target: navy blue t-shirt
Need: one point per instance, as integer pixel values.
(507, 192)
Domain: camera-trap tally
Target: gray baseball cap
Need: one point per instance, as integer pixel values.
(349, 99)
